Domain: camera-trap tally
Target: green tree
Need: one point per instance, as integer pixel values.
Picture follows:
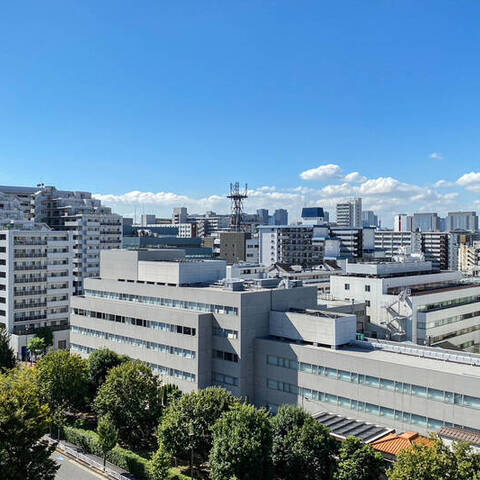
(131, 395)
(23, 422)
(107, 436)
(358, 461)
(159, 465)
(47, 334)
(242, 444)
(100, 362)
(301, 444)
(436, 461)
(170, 393)
(7, 357)
(36, 346)
(188, 422)
(63, 380)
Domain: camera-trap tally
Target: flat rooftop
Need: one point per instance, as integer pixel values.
(361, 351)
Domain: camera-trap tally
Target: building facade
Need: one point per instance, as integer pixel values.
(349, 213)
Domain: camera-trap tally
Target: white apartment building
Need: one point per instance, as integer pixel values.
(187, 230)
(94, 226)
(393, 242)
(36, 282)
(402, 223)
(410, 301)
(252, 247)
(349, 213)
(469, 259)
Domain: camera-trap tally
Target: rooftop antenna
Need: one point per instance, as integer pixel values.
(237, 197)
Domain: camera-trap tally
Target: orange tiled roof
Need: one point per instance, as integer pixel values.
(393, 443)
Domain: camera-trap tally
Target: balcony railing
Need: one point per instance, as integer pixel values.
(30, 280)
(23, 330)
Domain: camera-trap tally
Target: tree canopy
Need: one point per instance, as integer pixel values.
(301, 444)
(36, 346)
(358, 461)
(131, 396)
(107, 436)
(436, 461)
(242, 442)
(7, 357)
(100, 362)
(63, 380)
(23, 422)
(188, 422)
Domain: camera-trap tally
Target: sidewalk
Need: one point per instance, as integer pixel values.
(92, 461)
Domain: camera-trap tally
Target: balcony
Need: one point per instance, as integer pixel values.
(21, 268)
(31, 280)
(30, 293)
(30, 255)
(25, 330)
(30, 243)
(30, 318)
(25, 306)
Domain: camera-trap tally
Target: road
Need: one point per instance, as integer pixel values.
(70, 470)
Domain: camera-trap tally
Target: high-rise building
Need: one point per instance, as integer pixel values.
(262, 215)
(403, 223)
(435, 248)
(36, 281)
(369, 219)
(180, 215)
(280, 217)
(462, 221)
(425, 222)
(349, 213)
(94, 227)
(394, 242)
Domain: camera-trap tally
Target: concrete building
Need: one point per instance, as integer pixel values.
(280, 217)
(403, 223)
(180, 215)
(462, 221)
(314, 216)
(94, 227)
(394, 242)
(262, 216)
(425, 222)
(233, 246)
(349, 213)
(369, 219)
(252, 246)
(36, 282)
(469, 259)
(435, 249)
(289, 244)
(410, 301)
(272, 346)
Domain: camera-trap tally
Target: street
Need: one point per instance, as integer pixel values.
(70, 470)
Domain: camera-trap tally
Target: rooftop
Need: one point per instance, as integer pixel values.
(460, 435)
(393, 443)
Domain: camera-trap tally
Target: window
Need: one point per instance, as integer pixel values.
(367, 303)
(347, 286)
(367, 288)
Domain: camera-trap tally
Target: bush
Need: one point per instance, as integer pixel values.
(123, 458)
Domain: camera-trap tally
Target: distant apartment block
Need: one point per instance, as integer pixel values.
(462, 221)
(349, 213)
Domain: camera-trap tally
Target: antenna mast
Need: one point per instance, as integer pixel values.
(237, 197)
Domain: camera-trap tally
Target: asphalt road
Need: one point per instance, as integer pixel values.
(70, 470)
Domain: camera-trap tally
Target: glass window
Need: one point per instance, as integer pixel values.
(433, 424)
(436, 395)
(331, 398)
(472, 402)
(344, 375)
(406, 388)
(372, 381)
(387, 412)
(398, 386)
(354, 377)
(419, 391)
(372, 409)
(448, 397)
(331, 372)
(458, 399)
(387, 385)
(418, 420)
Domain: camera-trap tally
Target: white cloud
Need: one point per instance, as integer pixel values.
(322, 172)
(443, 183)
(436, 156)
(355, 177)
(471, 181)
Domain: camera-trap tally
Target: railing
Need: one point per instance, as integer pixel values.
(90, 462)
(21, 306)
(24, 293)
(30, 267)
(30, 280)
(30, 318)
(22, 330)
(30, 255)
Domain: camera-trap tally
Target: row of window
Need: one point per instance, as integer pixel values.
(376, 382)
(221, 355)
(223, 379)
(344, 402)
(456, 333)
(166, 327)
(449, 303)
(159, 347)
(172, 372)
(225, 332)
(165, 302)
(448, 320)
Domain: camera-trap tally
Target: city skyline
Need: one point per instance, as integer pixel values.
(179, 100)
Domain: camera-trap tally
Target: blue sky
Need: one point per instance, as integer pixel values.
(153, 104)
